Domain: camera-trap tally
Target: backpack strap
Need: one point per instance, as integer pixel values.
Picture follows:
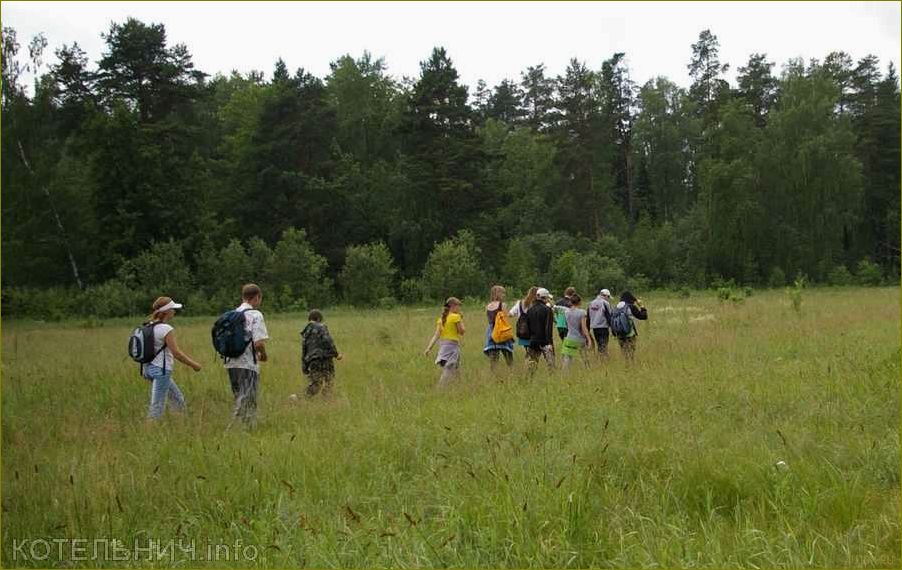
(153, 324)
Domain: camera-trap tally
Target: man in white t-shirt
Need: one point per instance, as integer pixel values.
(244, 370)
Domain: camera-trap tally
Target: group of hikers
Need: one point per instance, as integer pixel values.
(240, 336)
(537, 315)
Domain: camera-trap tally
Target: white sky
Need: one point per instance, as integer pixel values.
(488, 40)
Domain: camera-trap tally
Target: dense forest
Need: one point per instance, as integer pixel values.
(139, 175)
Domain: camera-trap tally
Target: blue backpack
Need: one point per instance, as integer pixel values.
(621, 324)
(230, 339)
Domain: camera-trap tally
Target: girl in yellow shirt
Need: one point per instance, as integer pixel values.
(449, 328)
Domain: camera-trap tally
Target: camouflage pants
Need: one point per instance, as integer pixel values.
(536, 353)
(320, 373)
(628, 347)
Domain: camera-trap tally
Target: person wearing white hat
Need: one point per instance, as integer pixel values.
(600, 320)
(159, 370)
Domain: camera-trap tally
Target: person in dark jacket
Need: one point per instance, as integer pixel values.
(317, 351)
(541, 331)
(634, 310)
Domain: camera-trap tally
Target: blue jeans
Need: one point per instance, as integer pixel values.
(162, 386)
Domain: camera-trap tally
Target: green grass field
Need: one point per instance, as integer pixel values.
(671, 462)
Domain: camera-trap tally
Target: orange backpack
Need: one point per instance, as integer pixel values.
(502, 330)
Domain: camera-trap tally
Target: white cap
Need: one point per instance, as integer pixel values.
(543, 293)
(605, 293)
(168, 307)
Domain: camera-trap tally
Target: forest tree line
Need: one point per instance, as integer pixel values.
(139, 174)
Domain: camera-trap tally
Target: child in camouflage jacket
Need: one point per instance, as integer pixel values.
(317, 351)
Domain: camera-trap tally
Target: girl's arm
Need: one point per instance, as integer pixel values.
(460, 328)
(438, 330)
(173, 346)
(590, 340)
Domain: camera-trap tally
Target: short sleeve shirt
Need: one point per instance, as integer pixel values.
(255, 326)
(575, 319)
(164, 358)
(449, 330)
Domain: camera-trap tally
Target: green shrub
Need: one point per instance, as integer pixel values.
(604, 272)
(116, 299)
(777, 278)
(44, 304)
(839, 276)
(795, 293)
(453, 269)
(868, 273)
(411, 290)
(519, 265)
(368, 274)
(159, 271)
(296, 272)
(569, 270)
(724, 293)
(637, 283)
(387, 303)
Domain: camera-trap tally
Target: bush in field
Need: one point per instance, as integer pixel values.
(519, 266)
(368, 274)
(604, 272)
(222, 273)
(160, 270)
(260, 256)
(45, 304)
(839, 276)
(453, 269)
(569, 270)
(637, 283)
(795, 293)
(296, 272)
(776, 278)
(868, 273)
(587, 272)
(116, 299)
(411, 290)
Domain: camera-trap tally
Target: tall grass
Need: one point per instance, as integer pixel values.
(670, 462)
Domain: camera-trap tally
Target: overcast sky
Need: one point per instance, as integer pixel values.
(487, 40)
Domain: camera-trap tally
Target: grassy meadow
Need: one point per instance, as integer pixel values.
(671, 462)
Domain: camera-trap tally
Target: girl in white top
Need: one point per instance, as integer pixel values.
(159, 370)
(520, 308)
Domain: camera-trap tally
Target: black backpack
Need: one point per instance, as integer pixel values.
(522, 324)
(230, 339)
(140, 344)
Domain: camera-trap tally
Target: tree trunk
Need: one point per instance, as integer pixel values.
(56, 217)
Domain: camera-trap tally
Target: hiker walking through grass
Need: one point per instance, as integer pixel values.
(449, 328)
(317, 351)
(623, 326)
(166, 349)
(518, 312)
(244, 369)
(578, 341)
(499, 335)
(600, 321)
(540, 318)
(560, 306)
